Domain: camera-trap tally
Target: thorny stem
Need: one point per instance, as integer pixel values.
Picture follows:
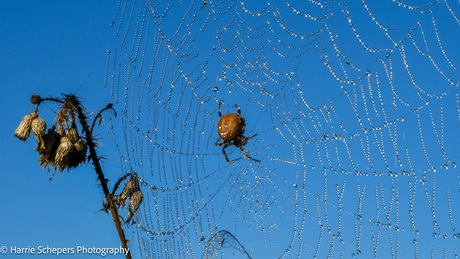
(110, 203)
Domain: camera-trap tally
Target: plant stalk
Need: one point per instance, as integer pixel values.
(100, 175)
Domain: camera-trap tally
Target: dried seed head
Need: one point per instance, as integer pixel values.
(48, 147)
(134, 202)
(63, 159)
(49, 140)
(72, 134)
(39, 128)
(131, 186)
(23, 130)
(80, 150)
(35, 99)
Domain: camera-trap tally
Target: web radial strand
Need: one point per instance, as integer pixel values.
(356, 114)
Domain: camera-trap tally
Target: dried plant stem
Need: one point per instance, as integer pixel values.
(65, 149)
(109, 199)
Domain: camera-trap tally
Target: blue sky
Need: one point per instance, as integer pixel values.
(58, 47)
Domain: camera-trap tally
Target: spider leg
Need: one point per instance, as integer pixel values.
(247, 154)
(219, 143)
(228, 144)
(238, 109)
(248, 138)
(218, 111)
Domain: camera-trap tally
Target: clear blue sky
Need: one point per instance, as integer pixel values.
(54, 47)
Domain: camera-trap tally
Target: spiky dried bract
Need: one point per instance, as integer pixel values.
(23, 130)
(134, 202)
(71, 104)
(46, 160)
(61, 118)
(39, 129)
(35, 99)
(131, 186)
(63, 159)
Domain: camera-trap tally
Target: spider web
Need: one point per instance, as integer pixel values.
(357, 114)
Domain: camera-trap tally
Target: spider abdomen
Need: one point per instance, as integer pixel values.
(230, 125)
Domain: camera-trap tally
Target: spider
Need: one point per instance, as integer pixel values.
(231, 128)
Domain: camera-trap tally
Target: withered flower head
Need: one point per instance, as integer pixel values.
(48, 147)
(48, 140)
(35, 99)
(134, 202)
(63, 159)
(23, 130)
(131, 186)
(39, 128)
(80, 150)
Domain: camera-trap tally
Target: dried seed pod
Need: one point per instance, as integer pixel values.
(39, 128)
(134, 202)
(35, 99)
(131, 186)
(23, 130)
(80, 150)
(63, 159)
(72, 134)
